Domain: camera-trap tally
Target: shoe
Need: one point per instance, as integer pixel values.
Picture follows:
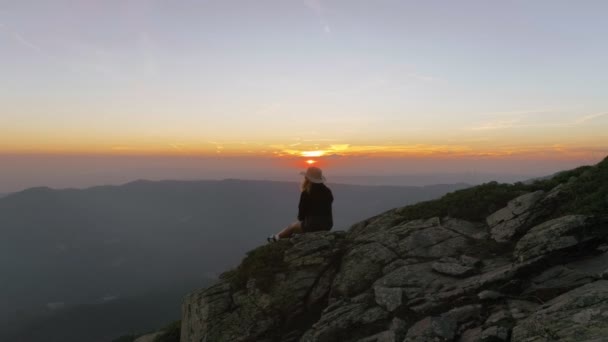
(272, 238)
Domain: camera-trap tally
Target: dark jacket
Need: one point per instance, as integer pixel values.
(315, 209)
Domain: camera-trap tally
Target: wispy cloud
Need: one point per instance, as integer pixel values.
(501, 124)
(590, 117)
(26, 43)
(520, 121)
(375, 150)
(20, 39)
(521, 112)
(318, 9)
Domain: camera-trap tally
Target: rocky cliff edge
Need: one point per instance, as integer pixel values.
(523, 262)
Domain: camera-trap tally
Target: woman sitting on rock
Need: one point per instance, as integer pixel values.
(315, 212)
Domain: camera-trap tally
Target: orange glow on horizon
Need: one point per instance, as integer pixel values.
(227, 149)
(312, 153)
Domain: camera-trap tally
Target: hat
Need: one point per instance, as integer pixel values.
(314, 174)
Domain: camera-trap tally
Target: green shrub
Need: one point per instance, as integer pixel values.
(260, 264)
(587, 187)
(588, 192)
(473, 204)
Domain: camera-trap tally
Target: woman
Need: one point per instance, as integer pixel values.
(315, 211)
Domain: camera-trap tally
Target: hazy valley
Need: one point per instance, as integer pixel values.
(107, 245)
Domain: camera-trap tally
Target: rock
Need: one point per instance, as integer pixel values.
(558, 234)
(385, 336)
(471, 335)
(344, 321)
(489, 295)
(201, 308)
(577, 315)
(360, 267)
(376, 223)
(501, 317)
(464, 314)
(469, 261)
(391, 279)
(512, 219)
(453, 269)
(521, 309)
(469, 229)
(432, 329)
(495, 334)
(149, 337)
(389, 298)
(418, 283)
(557, 280)
(432, 242)
(225, 313)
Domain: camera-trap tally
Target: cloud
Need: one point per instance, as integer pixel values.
(521, 112)
(519, 121)
(318, 9)
(376, 150)
(501, 124)
(590, 117)
(26, 43)
(20, 39)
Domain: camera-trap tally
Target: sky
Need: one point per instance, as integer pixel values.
(359, 87)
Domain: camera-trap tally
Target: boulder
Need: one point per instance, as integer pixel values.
(360, 267)
(389, 298)
(432, 329)
(346, 321)
(559, 234)
(495, 334)
(453, 269)
(507, 222)
(471, 335)
(578, 315)
(557, 280)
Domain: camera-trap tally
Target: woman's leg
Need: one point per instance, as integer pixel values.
(294, 228)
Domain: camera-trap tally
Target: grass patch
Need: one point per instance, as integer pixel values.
(587, 191)
(473, 204)
(260, 264)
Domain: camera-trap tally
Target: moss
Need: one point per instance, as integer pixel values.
(473, 204)
(586, 190)
(260, 264)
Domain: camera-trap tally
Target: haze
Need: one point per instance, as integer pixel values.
(96, 92)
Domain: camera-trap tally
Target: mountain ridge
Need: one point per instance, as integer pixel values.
(86, 244)
(522, 262)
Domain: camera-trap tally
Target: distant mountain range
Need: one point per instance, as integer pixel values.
(63, 248)
(472, 178)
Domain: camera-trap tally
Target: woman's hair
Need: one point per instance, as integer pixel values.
(306, 184)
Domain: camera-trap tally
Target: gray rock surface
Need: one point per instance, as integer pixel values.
(559, 234)
(507, 222)
(432, 329)
(577, 315)
(453, 269)
(521, 275)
